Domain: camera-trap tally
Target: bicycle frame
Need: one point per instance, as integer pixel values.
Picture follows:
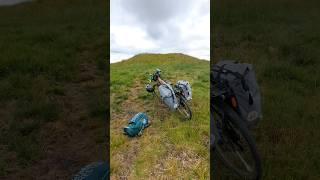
(227, 137)
(181, 102)
(222, 95)
(177, 93)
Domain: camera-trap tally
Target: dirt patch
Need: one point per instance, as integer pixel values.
(175, 160)
(126, 159)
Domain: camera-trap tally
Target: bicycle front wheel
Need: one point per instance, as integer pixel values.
(235, 145)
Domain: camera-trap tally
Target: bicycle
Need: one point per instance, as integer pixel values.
(182, 103)
(230, 136)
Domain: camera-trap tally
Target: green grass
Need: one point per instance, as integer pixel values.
(281, 39)
(168, 148)
(42, 44)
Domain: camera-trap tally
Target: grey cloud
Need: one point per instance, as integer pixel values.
(155, 11)
(155, 15)
(164, 22)
(155, 31)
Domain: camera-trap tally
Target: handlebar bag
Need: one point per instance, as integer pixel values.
(168, 96)
(241, 78)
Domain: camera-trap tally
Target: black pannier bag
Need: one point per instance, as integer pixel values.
(241, 78)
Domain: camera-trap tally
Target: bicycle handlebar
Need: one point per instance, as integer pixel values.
(155, 75)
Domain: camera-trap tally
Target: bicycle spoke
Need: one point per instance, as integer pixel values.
(244, 162)
(184, 112)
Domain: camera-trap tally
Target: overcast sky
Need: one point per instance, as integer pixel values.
(159, 26)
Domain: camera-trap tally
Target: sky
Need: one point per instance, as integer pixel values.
(159, 26)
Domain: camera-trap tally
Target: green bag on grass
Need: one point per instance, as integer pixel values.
(136, 125)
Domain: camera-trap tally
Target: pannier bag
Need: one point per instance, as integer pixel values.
(241, 78)
(136, 125)
(186, 89)
(168, 97)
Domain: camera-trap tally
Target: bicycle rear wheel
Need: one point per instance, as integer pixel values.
(235, 145)
(184, 108)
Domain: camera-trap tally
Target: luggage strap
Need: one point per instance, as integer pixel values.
(185, 87)
(222, 69)
(172, 91)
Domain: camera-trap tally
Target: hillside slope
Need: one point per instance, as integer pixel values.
(170, 147)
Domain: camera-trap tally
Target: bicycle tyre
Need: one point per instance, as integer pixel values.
(183, 105)
(236, 120)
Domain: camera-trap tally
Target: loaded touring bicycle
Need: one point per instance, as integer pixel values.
(235, 108)
(175, 97)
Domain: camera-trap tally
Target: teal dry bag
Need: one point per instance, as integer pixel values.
(136, 125)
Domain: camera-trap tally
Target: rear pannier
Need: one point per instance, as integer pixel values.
(241, 78)
(186, 89)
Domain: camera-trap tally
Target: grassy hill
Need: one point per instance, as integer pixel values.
(52, 87)
(282, 39)
(170, 147)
